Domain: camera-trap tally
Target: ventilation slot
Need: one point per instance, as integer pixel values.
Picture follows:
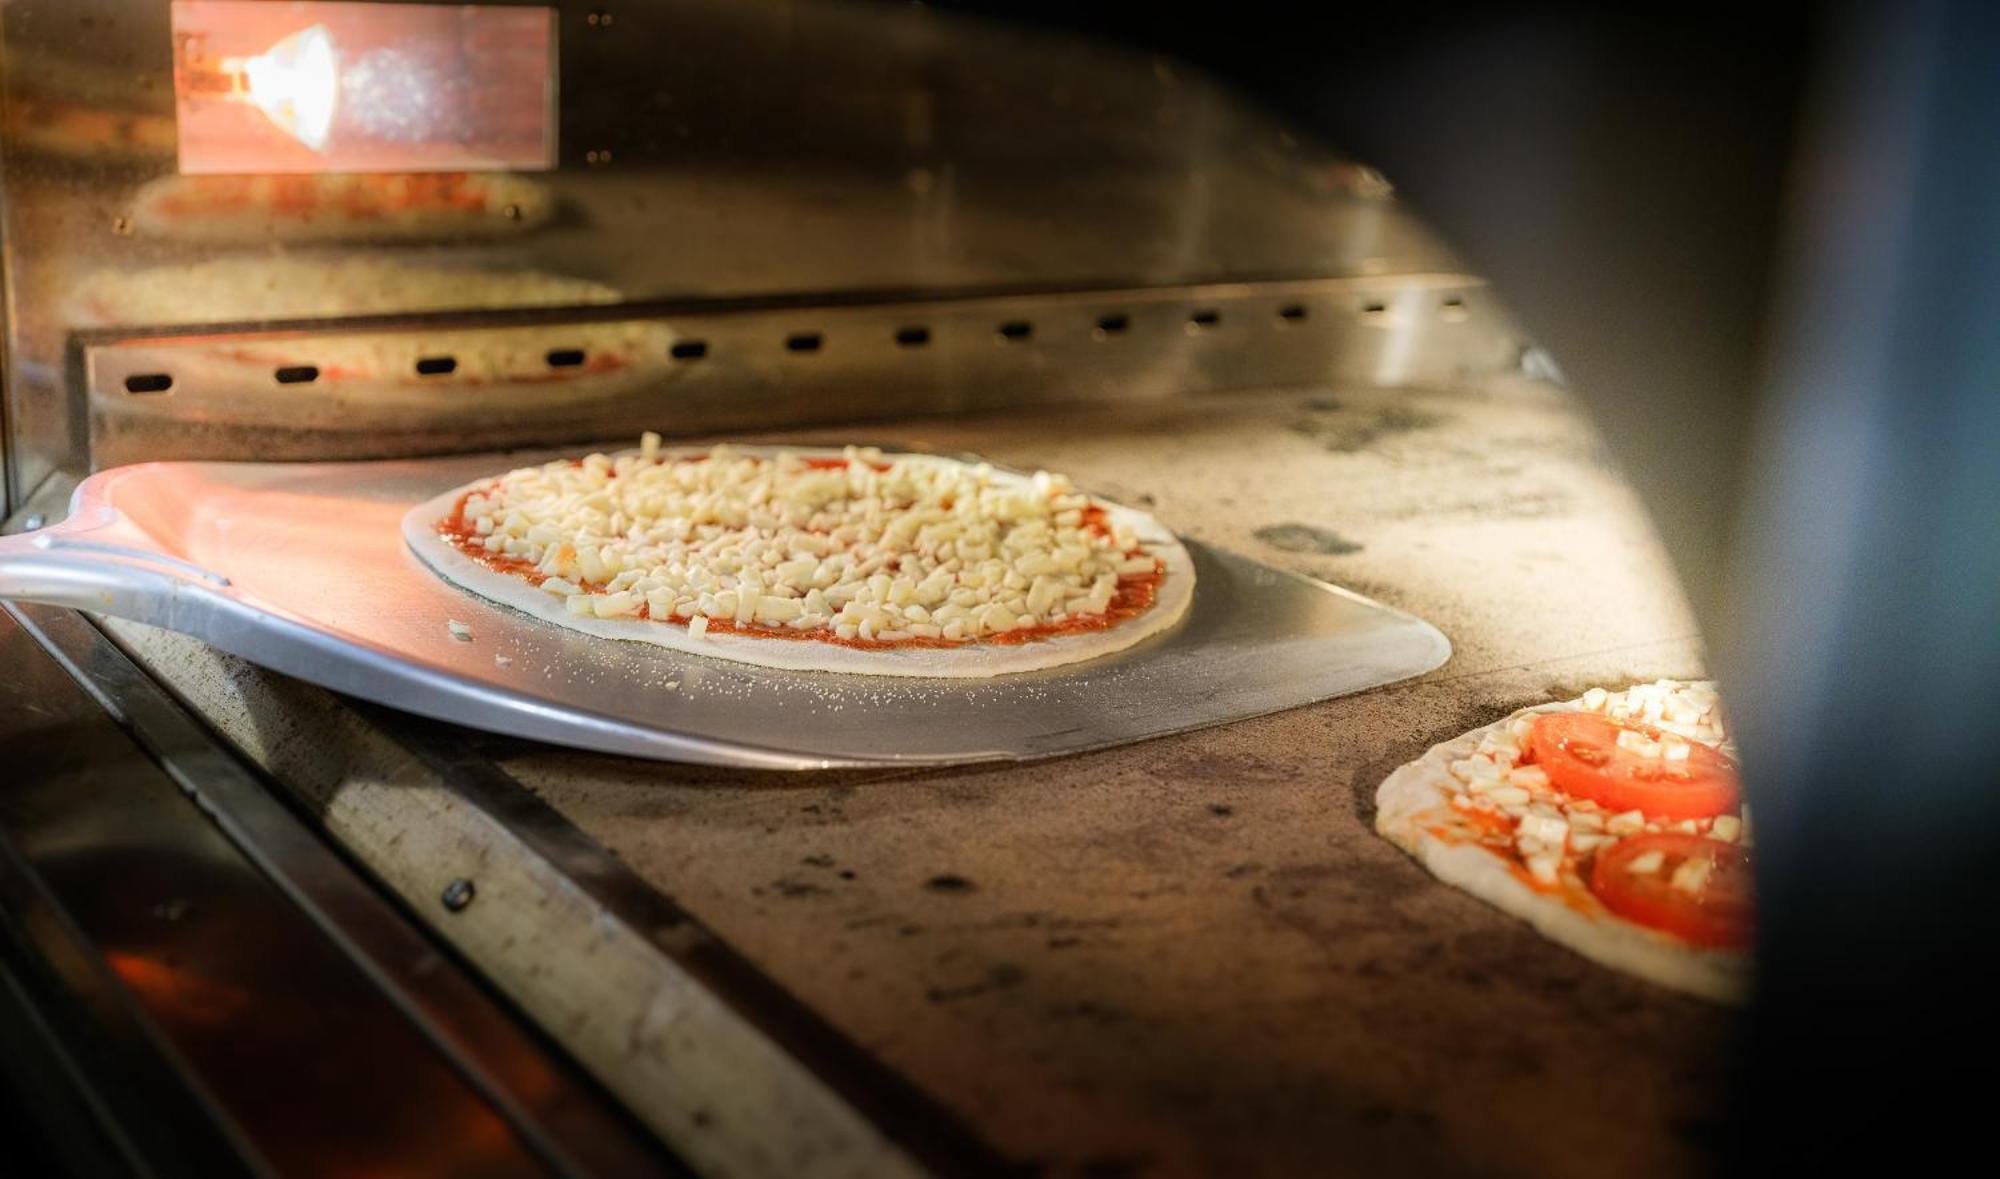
(913, 337)
(1292, 313)
(148, 383)
(689, 350)
(565, 357)
(1112, 325)
(1016, 330)
(297, 374)
(1204, 320)
(437, 366)
(804, 342)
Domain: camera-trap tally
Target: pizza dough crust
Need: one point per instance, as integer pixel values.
(970, 661)
(1420, 787)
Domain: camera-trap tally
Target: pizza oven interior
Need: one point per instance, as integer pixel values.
(329, 232)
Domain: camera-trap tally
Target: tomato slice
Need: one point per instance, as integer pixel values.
(1716, 915)
(1580, 753)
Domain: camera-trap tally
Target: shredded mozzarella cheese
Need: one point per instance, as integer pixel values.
(872, 549)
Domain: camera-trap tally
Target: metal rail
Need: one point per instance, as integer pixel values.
(192, 920)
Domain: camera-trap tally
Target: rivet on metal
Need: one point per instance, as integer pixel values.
(458, 894)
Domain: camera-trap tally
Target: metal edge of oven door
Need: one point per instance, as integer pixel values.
(193, 983)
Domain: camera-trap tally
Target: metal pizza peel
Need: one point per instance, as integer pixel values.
(300, 568)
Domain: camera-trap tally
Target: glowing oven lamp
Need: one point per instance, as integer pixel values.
(399, 87)
(296, 83)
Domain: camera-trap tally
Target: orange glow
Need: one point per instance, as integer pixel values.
(180, 994)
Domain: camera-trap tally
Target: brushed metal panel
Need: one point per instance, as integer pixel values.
(714, 150)
(714, 365)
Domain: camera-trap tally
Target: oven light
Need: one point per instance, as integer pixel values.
(296, 83)
(341, 86)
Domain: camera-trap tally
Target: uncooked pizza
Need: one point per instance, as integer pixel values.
(809, 559)
(1612, 823)
(345, 208)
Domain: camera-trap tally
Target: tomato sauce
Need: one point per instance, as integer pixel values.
(1492, 822)
(1135, 594)
(1464, 826)
(458, 532)
(835, 464)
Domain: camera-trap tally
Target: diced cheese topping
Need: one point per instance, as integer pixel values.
(1532, 777)
(1475, 770)
(1692, 874)
(869, 549)
(1547, 823)
(1691, 711)
(1548, 828)
(1646, 863)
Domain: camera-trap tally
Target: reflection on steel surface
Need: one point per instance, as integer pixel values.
(219, 1022)
(301, 568)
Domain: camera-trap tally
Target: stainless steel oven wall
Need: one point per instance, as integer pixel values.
(763, 212)
(6, 462)
(703, 367)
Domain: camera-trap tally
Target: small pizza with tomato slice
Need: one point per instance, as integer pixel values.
(1611, 823)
